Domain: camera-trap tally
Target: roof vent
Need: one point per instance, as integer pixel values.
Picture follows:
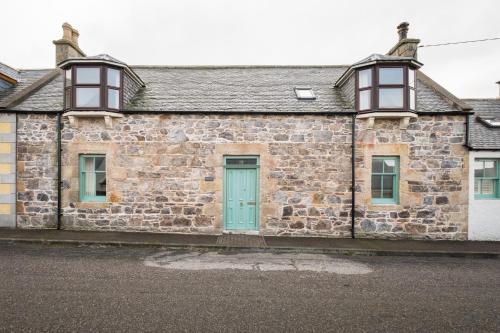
(304, 93)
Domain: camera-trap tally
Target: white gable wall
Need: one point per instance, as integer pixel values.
(484, 214)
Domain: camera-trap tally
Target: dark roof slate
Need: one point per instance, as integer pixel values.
(482, 136)
(25, 78)
(235, 89)
(238, 89)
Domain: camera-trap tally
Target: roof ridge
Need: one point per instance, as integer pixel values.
(235, 66)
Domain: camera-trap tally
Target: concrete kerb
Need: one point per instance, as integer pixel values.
(277, 249)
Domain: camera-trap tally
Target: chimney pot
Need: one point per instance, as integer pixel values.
(67, 31)
(74, 36)
(403, 30)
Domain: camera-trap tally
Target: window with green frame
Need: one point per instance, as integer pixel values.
(92, 177)
(385, 180)
(486, 176)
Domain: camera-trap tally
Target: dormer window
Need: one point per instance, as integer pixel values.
(386, 87)
(93, 87)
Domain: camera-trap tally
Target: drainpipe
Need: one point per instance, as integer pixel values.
(353, 175)
(467, 124)
(59, 178)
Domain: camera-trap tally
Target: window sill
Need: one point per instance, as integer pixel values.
(107, 115)
(92, 204)
(404, 117)
(486, 198)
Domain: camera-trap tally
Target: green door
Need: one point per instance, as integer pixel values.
(241, 193)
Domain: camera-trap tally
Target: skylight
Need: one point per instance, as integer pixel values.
(304, 93)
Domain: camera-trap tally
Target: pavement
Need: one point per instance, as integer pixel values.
(278, 243)
(99, 288)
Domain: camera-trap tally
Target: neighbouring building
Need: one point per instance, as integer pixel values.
(97, 144)
(484, 194)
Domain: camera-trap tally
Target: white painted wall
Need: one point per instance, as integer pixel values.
(484, 214)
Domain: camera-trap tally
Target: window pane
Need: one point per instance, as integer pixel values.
(68, 77)
(478, 169)
(365, 97)
(389, 166)
(377, 166)
(89, 184)
(100, 183)
(388, 184)
(365, 78)
(88, 164)
(376, 186)
(88, 75)
(490, 169)
(488, 186)
(390, 75)
(113, 98)
(87, 97)
(67, 98)
(390, 98)
(412, 99)
(411, 78)
(113, 77)
(241, 161)
(100, 163)
(477, 187)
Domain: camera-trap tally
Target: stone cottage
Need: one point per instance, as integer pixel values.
(97, 144)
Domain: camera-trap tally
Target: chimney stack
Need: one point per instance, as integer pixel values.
(403, 30)
(67, 46)
(405, 47)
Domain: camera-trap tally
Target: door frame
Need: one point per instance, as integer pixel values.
(257, 189)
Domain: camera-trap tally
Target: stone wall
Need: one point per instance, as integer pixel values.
(433, 178)
(36, 171)
(157, 166)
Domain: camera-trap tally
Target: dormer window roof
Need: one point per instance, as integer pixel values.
(95, 83)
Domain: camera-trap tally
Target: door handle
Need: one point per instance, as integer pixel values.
(252, 203)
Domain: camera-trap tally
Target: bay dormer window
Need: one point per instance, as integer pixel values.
(386, 87)
(93, 87)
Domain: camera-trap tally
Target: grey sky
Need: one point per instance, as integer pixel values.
(226, 32)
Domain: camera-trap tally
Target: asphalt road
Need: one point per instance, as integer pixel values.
(110, 289)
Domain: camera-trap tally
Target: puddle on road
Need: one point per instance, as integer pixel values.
(256, 262)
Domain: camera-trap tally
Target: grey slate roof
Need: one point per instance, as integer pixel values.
(240, 89)
(233, 88)
(482, 136)
(25, 79)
